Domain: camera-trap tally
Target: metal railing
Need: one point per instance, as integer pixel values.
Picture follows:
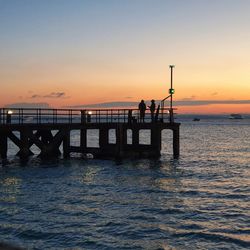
(69, 116)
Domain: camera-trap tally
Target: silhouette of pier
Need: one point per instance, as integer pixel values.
(50, 130)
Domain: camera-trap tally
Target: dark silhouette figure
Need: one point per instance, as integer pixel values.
(142, 108)
(152, 109)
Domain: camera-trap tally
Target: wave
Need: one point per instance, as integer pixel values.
(215, 237)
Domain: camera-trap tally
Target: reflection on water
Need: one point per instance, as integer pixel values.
(200, 201)
(10, 189)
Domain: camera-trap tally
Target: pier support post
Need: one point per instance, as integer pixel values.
(156, 141)
(120, 140)
(103, 138)
(46, 136)
(104, 146)
(50, 144)
(24, 147)
(83, 140)
(176, 143)
(66, 144)
(3, 146)
(135, 137)
(125, 136)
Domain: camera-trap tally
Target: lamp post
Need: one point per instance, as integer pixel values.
(171, 92)
(89, 116)
(8, 118)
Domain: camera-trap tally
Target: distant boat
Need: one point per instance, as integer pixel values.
(235, 116)
(28, 118)
(196, 119)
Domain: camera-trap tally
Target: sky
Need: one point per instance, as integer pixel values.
(81, 52)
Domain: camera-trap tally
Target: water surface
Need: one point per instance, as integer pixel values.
(200, 201)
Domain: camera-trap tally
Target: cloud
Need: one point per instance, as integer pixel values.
(183, 102)
(55, 95)
(51, 95)
(128, 104)
(214, 93)
(209, 102)
(189, 98)
(35, 96)
(28, 105)
(105, 105)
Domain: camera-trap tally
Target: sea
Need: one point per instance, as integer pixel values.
(199, 201)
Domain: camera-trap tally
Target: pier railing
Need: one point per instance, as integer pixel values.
(69, 116)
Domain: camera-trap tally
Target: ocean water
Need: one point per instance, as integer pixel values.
(200, 201)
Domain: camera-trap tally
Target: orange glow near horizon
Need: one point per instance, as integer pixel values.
(84, 94)
(215, 109)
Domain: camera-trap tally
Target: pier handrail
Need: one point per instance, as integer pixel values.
(68, 116)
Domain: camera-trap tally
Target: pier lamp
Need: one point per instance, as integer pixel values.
(171, 91)
(8, 117)
(89, 116)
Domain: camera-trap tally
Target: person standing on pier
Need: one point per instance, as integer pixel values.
(142, 109)
(152, 109)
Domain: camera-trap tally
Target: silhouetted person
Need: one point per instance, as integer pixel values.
(152, 109)
(142, 107)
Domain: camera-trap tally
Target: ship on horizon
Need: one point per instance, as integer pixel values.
(235, 116)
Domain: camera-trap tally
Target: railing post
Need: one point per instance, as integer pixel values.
(38, 116)
(83, 116)
(54, 116)
(89, 116)
(171, 115)
(130, 116)
(162, 111)
(70, 116)
(8, 118)
(21, 116)
(37, 113)
(3, 116)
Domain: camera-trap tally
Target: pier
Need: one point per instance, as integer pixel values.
(50, 130)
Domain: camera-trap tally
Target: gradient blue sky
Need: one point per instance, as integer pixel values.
(113, 50)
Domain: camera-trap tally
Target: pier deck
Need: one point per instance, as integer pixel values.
(50, 130)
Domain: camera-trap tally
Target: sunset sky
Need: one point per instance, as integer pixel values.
(75, 52)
